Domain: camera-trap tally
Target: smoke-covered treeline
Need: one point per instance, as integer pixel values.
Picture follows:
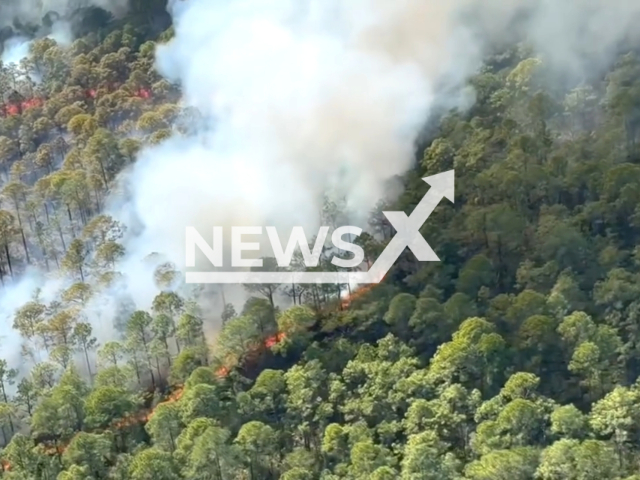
(513, 358)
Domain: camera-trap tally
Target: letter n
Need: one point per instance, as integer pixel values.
(214, 254)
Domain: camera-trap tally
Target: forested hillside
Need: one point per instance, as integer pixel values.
(516, 357)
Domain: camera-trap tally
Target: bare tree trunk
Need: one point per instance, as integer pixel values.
(86, 357)
(24, 239)
(73, 231)
(6, 249)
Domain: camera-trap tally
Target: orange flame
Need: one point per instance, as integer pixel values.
(17, 108)
(143, 416)
(271, 341)
(359, 293)
(143, 93)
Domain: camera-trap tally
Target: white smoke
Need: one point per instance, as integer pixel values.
(14, 296)
(15, 49)
(576, 38)
(61, 33)
(309, 95)
(302, 96)
(305, 96)
(32, 11)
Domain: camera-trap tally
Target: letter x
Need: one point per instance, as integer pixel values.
(408, 235)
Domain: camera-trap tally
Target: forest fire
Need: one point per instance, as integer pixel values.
(17, 108)
(131, 420)
(359, 293)
(141, 417)
(173, 397)
(274, 339)
(143, 93)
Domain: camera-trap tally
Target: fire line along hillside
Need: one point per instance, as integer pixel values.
(514, 357)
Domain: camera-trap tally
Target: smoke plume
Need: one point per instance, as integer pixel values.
(308, 96)
(33, 11)
(302, 97)
(23, 20)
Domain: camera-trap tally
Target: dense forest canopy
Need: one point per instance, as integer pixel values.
(516, 357)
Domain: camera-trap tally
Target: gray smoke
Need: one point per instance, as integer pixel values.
(23, 20)
(301, 97)
(33, 11)
(316, 95)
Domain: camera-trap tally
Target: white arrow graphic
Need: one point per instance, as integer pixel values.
(407, 228)
(408, 235)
